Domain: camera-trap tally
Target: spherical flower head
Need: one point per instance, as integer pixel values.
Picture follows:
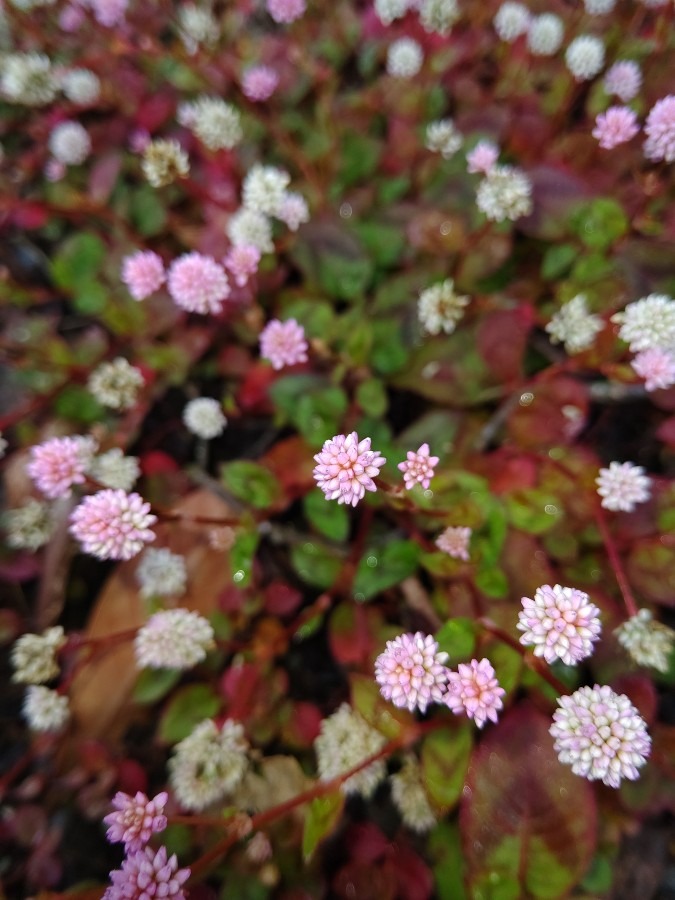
(44, 709)
(208, 764)
(648, 643)
(143, 273)
(204, 418)
(660, 130)
(601, 735)
(135, 819)
(346, 739)
(440, 307)
(248, 226)
(560, 623)
(57, 464)
(216, 123)
(656, 367)
(512, 20)
(411, 671)
(81, 86)
(438, 16)
(161, 573)
(197, 25)
(473, 689)
(259, 83)
(388, 11)
(482, 158)
(72, 18)
(545, 34)
(455, 542)
(28, 78)
(442, 137)
(285, 11)
(69, 143)
(173, 639)
(116, 384)
(574, 326)
(34, 656)
(404, 58)
(616, 126)
(648, 322)
(115, 470)
(410, 798)
(585, 57)
(109, 13)
(242, 262)
(505, 193)
(624, 79)
(146, 874)
(346, 467)
(622, 486)
(264, 189)
(293, 211)
(28, 527)
(164, 162)
(418, 468)
(599, 7)
(112, 524)
(283, 343)
(197, 283)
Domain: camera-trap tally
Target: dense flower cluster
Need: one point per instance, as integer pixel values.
(173, 639)
(29, 526)
(204, 417)
(648, 322)
(411, 671)
(283, 343)
(115, 470)
(560, 623)
(44, 709)
(440, 307)
(116, 384)
(145, 874)
(135, 819)
(161, 573)
(143, 273)
(59, 463)
(505, 193)
(197, 283)
(649, 643)
(474, 690)
(346, 467)
(208, 764)
(410, 797)
(622, 486)
(346, 740)
(418, 467)
(113, 524)
(34, 656)
(574, 326)
(455, 541)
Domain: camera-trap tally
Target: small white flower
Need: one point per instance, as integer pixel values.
(585, 57)
(440, 308)
(208, 764)
(442, 137)
(410, 797)
(197, 26)
(512, 20)
(545, 34)
(173, 639)
(163, 162)
(204, 418)
(81, 86)
(161, 573)
(44, 709)
(574, 326)
(29, 526)
(264, 189)
(34, 656)
(116, 384)
(599, 7)
(505, 193)
(69, 143)
(388, 11)
(28, 78)
(438, 15)
(346, 739)
(404, 58)
(115, 470)
(622, 486)
(648, 322)
(250, 227)
(649, 643)
(293, 211)
(216, 123)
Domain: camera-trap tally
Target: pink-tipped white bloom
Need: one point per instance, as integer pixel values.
(112, 524)
(283, 343)
(411, 671)
(473, 689)
(285, 11)
(259, 83)
(601, 735)
(482, 158)
(657, 367)
(197, 283)
(173, 639)
(418, 468)
(241, 262)
(560, 623)
(455, 542)
(143, 273)
(615, 126)
(109, 12)
(59, 463)
(660, 130)
(624, 80)
(293, 210)
(346, 467)
(622, 486)
(135, 819)
(147, 874)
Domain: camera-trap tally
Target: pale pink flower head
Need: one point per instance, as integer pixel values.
(143, 273)
(285, 11)
(146, 874)
(283, 343)
(418, 468)
(139, 140)
(482, 158)
(473, 689)
(615, 126)
(601, 735)
(54, 170)
(411, 671)
(59, 463)
(198, 284)
(241, 262)
(624, 80)
(135, 819)
(293, 211)
(560, 623)
(346, 467)
(657, 367)
(660, 130)
(109, 12)
(455, 542)
(112, 524)
(259, 83)
(72, 18)
(622, 486)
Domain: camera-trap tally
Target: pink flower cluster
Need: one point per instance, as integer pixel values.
(656, 367)
(283, 343)
(418, 468)
(285, 11)
(455, 541)
(560, 623)
(259, 83)
(660, 130)
(112, 524)
(474, 690)
(197, 283)
(615, 126)
(241, 262)
(135, 819)
(346, 467)
(143, 273)
(146, 874)
(59, 463)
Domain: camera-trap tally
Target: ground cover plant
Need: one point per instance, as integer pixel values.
(338, 429)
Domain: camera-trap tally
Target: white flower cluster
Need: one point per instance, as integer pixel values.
(410, 797)
(173, 639)
(29, 526)
(44, 709)
(435, 15)
(574, 326)
(585, 57)
(512, 20)
(115, 470)
(204, 417)
(208, 764)
(505, 193)
(443, 137)
(265, 194)
(216, 123)
(116, 384)
(346, 739)
(161, 573)
(648, 323)
(34, 656)
(81, 86)
(404, 58)
(163, 162)
(28, 78)
(440, 307)
(69, 143)
(545, 34)
(622, 486)
(197, 25)
(648, 643)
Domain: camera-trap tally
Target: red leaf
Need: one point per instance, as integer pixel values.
(414, 879)
(555, 415)
(281, 599)
(641, 692)
(367, 843)
(103, 177)
(157, 462)
(501, 337)
(350, 636)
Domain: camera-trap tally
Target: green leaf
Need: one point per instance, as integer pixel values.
(187, 709)
(242, 554)
(492, 582)
(526, 509)
(344, 278)
(90, 299)
(322, 816)
(445, 761)
(328, 517)
(251, 483)
(600, 222)
(371, 396)
(457, 638)
(153, 684)
(317, 415)
(76, 403)
(147, 211)
(445, 850)
(315, 564)
(558, 260)
(380, 569)
(380, 714)
(385, 243)
(287, 391)
(315, 316)
(389, 354)
(359, 156)
(78, 261)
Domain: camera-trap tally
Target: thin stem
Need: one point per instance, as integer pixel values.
(615, 562)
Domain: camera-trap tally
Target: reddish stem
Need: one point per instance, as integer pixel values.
(532, 662)
(615, 562)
